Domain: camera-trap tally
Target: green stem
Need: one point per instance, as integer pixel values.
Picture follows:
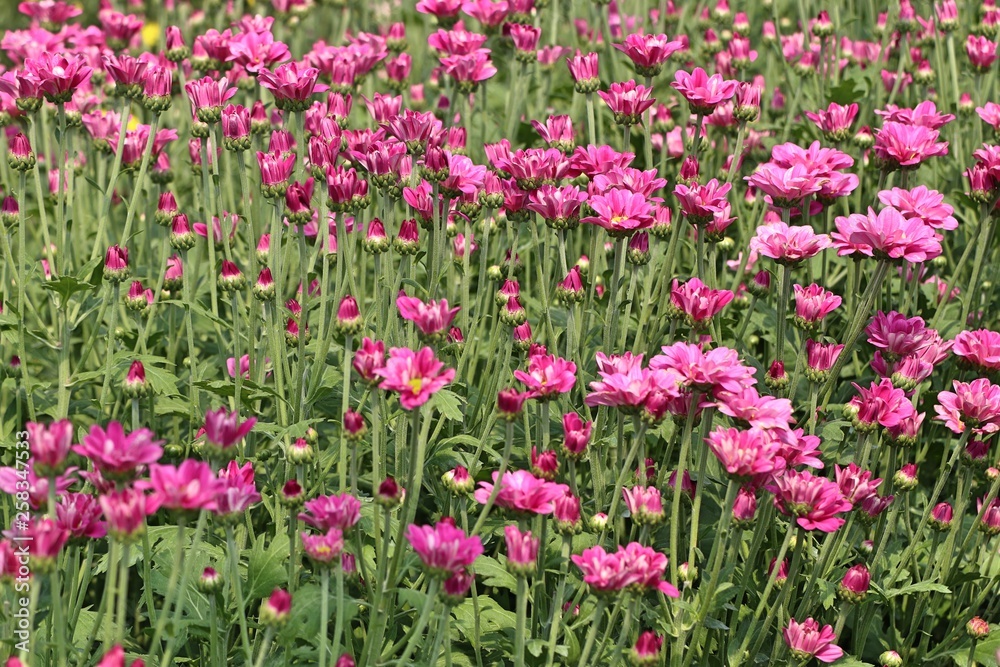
(522, 614)
(234, 572)
(430, 601)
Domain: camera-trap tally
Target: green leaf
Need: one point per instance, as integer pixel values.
(67, 286)
(834, 431)
(921, 587)
(715, 624)
(266, 568)
(448, 404)
(494, 574)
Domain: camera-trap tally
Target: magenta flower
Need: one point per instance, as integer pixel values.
(787, 244)
(190, 486)
(621, 212)
(982, 52)
(881, 404)
(521, 491)
(59, 77)
(815, 502)
(125, 512)
(648, 52)
(431, 318)
(701, 203)
(444, 549)
(224, 430)
(50, 445)
(236, 491)
(80, 515)
(749, 409)
(341, 511)
(899, 146)
(416, 376)
(603, 572)
(116, 455)
(324, 549)
(974, 405)
(576, 434)
(15, 481)
(885, 235)
(627, 101)
(255, 51)
(703, 92)
(469, 70)
(645, 569)
(207, 97)
(925, 114)
(898, 336)
(547, 376)
(743, 454)
(626, 385)
(698, 301)
(522, 550)
(835, 122)
(584, 70)
(856, 484)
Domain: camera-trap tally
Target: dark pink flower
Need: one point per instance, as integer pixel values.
(416, 376)
(974, 405)
(521, 491)
(807, 640)
(814, 501)
(444, 549)
(703, 92)
(547, 376)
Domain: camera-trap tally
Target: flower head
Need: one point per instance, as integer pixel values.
(415, 375)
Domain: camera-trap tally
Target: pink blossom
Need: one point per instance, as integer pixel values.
(974, 405)
(813, 303)
(620, 211)
(116, 455)
(717, 369)
(521, 491)
(703, 92)
(786, 244)
(190, 486)
(522, 550)
(814, 501)
(444, 549)
(701, 203)
(897, 335)
(900, 146)
(743, 454)
(341, 511)
(885, 235)
(923, 204)
(835, 122)
(698, 301)
(415, 375)
(547, 376)
(980, 348)
(236, 491)
(856, 484)
(627, 101)
(431, 318)
(807, 640)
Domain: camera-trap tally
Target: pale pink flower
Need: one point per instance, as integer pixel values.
(522, 550)
(431, 318)
(807, 640)
(788, 244)
(786, 186)
(717, 369)
(923, 204)
(835, 122)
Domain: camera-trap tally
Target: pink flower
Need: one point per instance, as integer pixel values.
(788, 245)
(223, 429)
(900, 146)
(645, 568)
(626, 385)
(115, 455)
(207, 97)
(15, 481)
(236, 491)
(806, 640)
(644, 504)
(444, 549)
(583, 68)
(814, 501)
(576, 434)
(415, 375)
(885, 235)
(602, 572)
(743, 454)
(813, 303)
(897, 335)
(881, 404)
(369, 358)
(701, 203)
(522, 551)
(698, 301)
(648, 52)
(856, 484)
(50, 445)
(982, 52)
(621, 212)
(717, 369)
(255, 51)
(521, 491)
(59, 77)
(990, 113)
(80, 514)
(703, 92)
(126, 511)
(835, 123)
(647, 649)
(748, 408)
(324, 549)
(922, 204)
(821, 357)
(980, 348)
(973, 405)
(341, 511)
(786, 186)
(627, 101)
(547, 376)
(431, 318)
(190, 486)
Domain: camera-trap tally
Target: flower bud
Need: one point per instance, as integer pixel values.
(135, 385)
(977, 628)
(349, 319)
(853, 587)
(300, 452)
(210, 581)
(890, 659)
(354, 426)
(263, 288)
(292, 494)
(458, 481)
(510, 402)
(389, 494)
(277, 609)
(941, 517)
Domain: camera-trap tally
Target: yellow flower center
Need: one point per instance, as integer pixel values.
(416, 384)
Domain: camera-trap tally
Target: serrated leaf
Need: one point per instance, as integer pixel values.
(920, 587)
(494, 573)
(67, 286)
(266, 567)
(448, 404)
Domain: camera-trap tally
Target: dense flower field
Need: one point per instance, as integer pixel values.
(500, 332)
